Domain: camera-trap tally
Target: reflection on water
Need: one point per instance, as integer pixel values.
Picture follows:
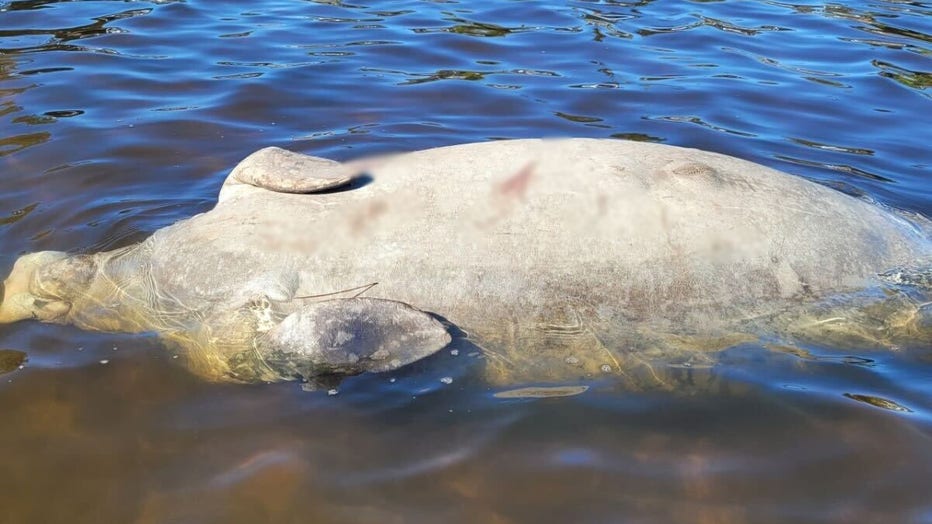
(138, 441)
(118, 118)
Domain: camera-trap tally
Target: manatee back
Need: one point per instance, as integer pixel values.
(637, 231)
(655, 231)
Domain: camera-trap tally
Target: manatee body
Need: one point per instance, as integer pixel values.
(558, 258)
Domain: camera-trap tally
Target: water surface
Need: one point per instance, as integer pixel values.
(121, 117)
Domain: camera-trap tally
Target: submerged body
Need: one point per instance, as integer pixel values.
(558, 257)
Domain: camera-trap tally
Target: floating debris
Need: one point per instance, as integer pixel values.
(542, 392)
(11, 360)
(879, 402)
(332, 392)
(454, 352)
(105, 362)
(447, 380)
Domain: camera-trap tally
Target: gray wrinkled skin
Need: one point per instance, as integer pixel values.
(560, 259)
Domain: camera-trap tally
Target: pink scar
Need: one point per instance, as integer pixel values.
(516, 186)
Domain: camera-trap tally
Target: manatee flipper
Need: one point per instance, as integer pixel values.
(350, 336)
(285, 171)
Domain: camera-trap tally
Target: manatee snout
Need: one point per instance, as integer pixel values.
(65, 278)
(22, 292)
(41, 285)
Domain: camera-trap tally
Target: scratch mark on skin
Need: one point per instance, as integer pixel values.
(361, 289)
(516, 185)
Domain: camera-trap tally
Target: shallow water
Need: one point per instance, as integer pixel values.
(120, 117)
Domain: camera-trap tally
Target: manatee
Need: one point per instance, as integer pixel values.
(558, 259)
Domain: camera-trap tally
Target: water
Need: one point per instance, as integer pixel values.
(120, 117)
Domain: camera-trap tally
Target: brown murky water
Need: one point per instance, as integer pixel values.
(118, 118)
(139, 440)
